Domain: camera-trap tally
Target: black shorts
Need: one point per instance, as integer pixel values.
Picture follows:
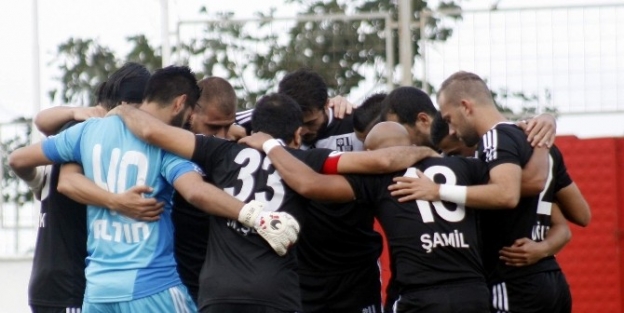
(449, 298)
(55, 309)
(240, 308)
(541, 292)
(356, 291)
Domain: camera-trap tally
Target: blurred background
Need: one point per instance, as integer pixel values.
(560, 56)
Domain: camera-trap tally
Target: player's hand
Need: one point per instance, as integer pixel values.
(132, 204)
(341, 106)
(256, 140)
(84, 113)
(413, 188)
(236, 132)
(279, 229)
(523, 252)
(540, 130)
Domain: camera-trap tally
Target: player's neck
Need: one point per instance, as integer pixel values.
(489, 119)
(157, 111)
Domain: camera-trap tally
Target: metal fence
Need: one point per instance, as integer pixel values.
(19, 215)
(570, 58)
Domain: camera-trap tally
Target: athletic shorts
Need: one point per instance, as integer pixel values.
(356, 291)
(175, 300)
(546, 292)
(54, 309)
(240, 308)
(459, 298)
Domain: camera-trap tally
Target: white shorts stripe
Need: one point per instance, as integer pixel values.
(500, 299)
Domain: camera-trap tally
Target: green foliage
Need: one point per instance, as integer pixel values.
(85, 63)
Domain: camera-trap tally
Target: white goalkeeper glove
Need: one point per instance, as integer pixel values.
(279, 229)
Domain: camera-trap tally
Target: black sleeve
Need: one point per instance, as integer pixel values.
(479, 173)
(560, 172)
(503, 144)
(206, 148)
(314, 158)
(369, 188)
(68, 125)
(243, 118)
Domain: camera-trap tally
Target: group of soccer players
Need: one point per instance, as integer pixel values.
(161, 198)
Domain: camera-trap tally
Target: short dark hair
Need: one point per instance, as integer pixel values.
(439, 129)
(466, 85)
(407, 103)
(125, 84)
(368, 112)
(277, 115)
(218, 91)
(306, 87)
(170, 82)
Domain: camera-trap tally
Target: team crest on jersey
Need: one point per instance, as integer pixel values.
(344, 144)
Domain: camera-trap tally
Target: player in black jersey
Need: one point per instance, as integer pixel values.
(466, 104)
(213, 116)
(434, 246)
(412, 108)
(240, 274)
(338, 263)
(57, 280)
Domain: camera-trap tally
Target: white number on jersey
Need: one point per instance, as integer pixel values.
(545, 207)
(116, 178)
(424, 207)
(247, 176)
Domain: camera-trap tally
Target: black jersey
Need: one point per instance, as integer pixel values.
(243, 119)
(58, 271)
(506, 143)
(431, 243)
(240, 266)
(190, 241)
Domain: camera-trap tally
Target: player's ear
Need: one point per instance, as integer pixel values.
(297, 138)
(179, 104)
(466, 106)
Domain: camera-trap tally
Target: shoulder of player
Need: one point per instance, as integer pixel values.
(506, 132)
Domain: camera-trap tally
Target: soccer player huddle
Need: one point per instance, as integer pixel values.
(162, 198)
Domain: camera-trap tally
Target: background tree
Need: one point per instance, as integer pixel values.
(254, 57)
(85, 63)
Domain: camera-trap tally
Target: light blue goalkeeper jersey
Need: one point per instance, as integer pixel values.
(127, 259)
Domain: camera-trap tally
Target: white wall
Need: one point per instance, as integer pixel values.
(14, 275)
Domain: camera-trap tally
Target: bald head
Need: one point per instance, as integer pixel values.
(387, 134)
(216, 91)
(216, 108)
(465, 85)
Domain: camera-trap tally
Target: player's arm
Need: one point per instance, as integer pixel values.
(131, 203)
(24, 161)
(502, 191)
(525, 251)
(380, 161)
(51, 121)
(573, 205)
(535, 173)
(307, 182)
(213, 200)
(386, 160)
(153, 131)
